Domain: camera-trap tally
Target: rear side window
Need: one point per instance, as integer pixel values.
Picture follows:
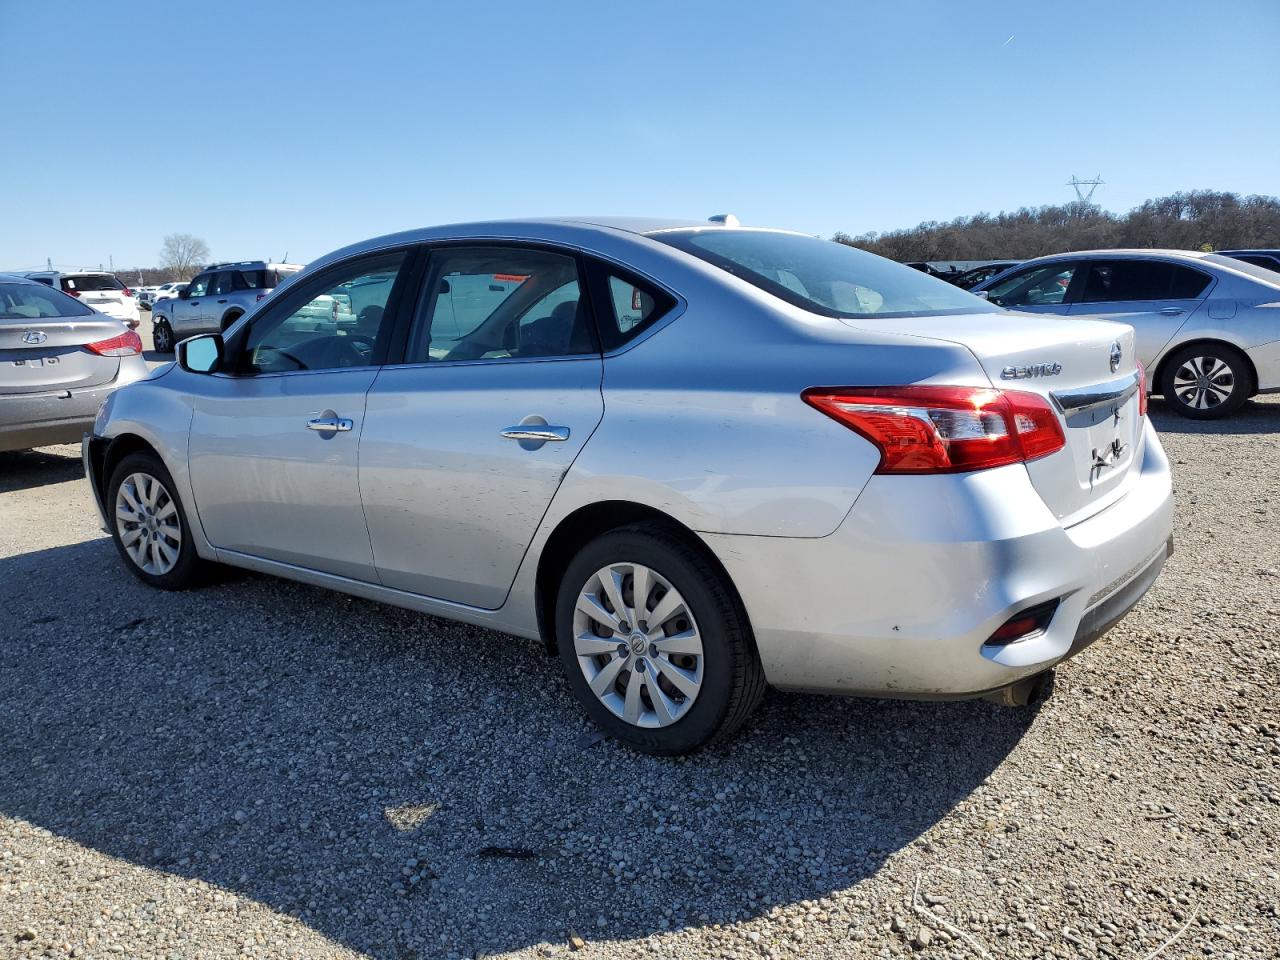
(500, 303)
(626, 305)
(92, 282)
(29, 301)
(1113, 281)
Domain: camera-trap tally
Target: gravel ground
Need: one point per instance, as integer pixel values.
(260, 768)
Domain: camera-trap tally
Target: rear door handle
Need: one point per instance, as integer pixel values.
(334, 424)
(222, 301)
(1171, 311)
(537, 432)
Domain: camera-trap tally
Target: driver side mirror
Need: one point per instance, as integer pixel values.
(200, 354)
(184, 293)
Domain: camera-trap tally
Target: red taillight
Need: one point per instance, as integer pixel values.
(125, 345)
(929, 429)
(259, 297)
(72, 293)
(1025, 624)
(127, 292)
(1142, 390)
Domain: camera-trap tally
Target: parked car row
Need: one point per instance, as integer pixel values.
(149, 295)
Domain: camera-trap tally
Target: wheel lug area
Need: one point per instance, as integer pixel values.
(653, 650)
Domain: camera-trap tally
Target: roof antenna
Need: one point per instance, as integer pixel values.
(725, 219)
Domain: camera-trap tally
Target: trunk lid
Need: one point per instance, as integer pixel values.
(101, 292)
(41, 355)
(1069, 362)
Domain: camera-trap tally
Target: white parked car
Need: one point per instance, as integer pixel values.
(167, 291)
(97, 289)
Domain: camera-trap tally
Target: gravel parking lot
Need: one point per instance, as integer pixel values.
(264, 769)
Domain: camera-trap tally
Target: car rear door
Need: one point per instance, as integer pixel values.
(275, 435)
(467, 439)
(1153, 296)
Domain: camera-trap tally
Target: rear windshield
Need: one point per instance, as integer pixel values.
(33, 301)
(823, 276)
(1252, 269)
(93, 281)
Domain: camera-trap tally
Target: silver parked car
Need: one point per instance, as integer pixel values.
(58, 360)
(1208, 325)
(215, 298)
(694, 459)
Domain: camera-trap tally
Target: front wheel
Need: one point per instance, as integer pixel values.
(148, 524)
(1206, 381)
(162, 337)
(654, 642)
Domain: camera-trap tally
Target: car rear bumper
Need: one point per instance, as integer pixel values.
(902, 598)
(42, 419)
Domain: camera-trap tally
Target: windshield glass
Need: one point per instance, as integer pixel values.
(824, 276)
(32, 301)
(1244, 266)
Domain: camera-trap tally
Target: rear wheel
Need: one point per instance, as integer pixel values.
(229, 319)
(654, 643)
(162, 337)
(1206, 381)
(148, 524)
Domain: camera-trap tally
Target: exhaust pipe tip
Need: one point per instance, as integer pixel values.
(1028, 692)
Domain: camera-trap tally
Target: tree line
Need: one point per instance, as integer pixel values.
(1192, 220)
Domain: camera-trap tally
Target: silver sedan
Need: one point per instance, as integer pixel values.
(691, 458)
(1207, 324)
(58, 361)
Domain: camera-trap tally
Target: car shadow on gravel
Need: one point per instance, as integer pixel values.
(27, 469)
(411, 787)
(1259, 415)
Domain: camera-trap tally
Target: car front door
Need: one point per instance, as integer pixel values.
(1153, 296)
(1045, 288)
(467, 440)
(189, 307)
(275, 435)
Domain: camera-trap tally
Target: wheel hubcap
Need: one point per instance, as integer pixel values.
(147, 523)
(1204, 382)
(638, 645)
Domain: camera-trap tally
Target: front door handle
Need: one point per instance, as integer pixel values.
(537, 432)
(1171, 311)
(334, 424)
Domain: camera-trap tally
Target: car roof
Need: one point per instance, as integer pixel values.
(16, 278)
(1263, 250)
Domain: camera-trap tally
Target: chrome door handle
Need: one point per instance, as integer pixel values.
(1171, 311)
(336, 424)
(536, 431)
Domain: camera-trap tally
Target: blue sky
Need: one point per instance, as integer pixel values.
(295, 127)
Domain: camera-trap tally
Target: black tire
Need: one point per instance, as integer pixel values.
(1192, 394)
(732, 678)
(162, 337)
(187, 568)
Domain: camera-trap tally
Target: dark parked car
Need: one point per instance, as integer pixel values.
(971, 278)
(1268, 259)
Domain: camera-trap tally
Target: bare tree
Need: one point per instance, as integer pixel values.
(183, 255)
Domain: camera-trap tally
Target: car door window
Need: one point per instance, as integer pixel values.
(199, 286)
(224, 283)
(1034, 287)
(500, 303)
(337, 320)
(1116, 281)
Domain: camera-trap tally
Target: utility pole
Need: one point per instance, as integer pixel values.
(48, 262)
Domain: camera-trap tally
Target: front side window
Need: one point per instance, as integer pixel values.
(1118, 281)
(28, 301)
(1037, 286)
(500, 303)
(199, 286)
(823, 276)
(337, 320)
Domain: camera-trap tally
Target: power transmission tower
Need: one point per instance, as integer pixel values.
(1091, 184)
